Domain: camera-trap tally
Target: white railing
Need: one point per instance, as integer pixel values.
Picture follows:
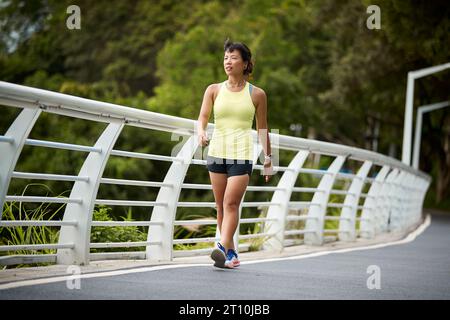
(393, 202)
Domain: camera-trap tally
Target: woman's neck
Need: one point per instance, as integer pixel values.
(236, 81)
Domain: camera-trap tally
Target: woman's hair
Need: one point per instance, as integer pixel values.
(245, 53)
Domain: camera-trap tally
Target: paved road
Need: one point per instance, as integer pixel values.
(416, 270)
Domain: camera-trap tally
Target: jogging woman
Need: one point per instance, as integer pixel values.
(230, 153)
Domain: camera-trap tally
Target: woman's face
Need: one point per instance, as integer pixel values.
(233, 63)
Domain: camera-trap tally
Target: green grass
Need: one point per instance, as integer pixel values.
(29, 235)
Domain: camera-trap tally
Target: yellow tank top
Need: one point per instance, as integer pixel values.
(233, 117)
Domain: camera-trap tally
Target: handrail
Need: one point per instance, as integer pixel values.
(132, 116)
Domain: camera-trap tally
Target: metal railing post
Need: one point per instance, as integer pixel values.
(424, 187)
(403, 198)
(396, 217)
(390, 194)
(347, 224)
(416, 209)
(370, 218)
(10, 150)
(415, 198)
(385, 202)
(406, 200)
(93, 168)
(318, 206)
(165, 215)
(282, 196)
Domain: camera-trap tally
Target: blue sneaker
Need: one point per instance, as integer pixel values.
(219, 256)
(232, 259)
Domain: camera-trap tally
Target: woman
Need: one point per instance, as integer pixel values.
(230, 153)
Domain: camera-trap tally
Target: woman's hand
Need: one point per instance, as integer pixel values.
(268, 170)
(203, 138)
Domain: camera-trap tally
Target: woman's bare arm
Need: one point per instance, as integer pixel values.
(205, 112)
(261, 121)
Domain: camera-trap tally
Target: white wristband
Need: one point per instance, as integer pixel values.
(267, 158)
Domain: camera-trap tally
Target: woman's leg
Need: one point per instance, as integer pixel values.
(219, 183)
(234, 192)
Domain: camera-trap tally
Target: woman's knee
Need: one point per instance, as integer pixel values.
(230, 205)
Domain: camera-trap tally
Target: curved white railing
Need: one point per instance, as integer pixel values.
(393, 202)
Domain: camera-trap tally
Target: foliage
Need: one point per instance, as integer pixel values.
(316, 60)
(49, 235)
(115, 234)
(21, 235)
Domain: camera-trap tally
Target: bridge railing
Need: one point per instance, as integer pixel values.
(393, 201)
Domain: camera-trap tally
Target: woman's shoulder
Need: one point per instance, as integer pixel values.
(258, 92)
(258, 89)
(213, 89)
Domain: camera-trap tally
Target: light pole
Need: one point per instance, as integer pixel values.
(407, 129)
(418, 132)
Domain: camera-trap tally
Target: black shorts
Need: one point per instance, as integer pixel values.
(232, 167)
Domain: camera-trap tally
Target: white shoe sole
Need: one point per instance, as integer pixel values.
(219, 258)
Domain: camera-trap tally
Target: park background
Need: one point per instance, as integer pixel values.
(327, 77)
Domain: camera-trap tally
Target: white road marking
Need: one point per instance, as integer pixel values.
(24, 283)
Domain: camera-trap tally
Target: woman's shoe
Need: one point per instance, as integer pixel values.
(232, 260)
(219, 256)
